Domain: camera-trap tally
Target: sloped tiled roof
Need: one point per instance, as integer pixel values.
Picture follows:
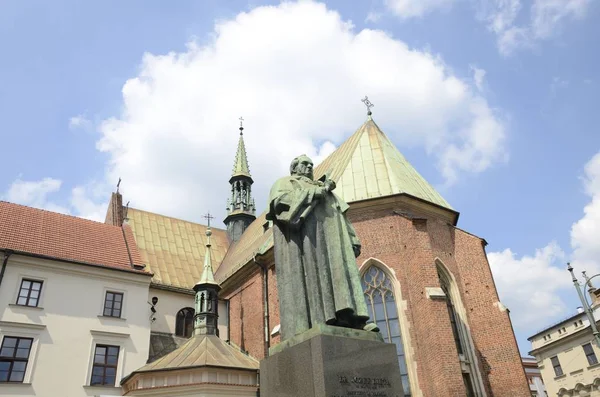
(39, 232)
(200, 351)
(255, 240)
(367, 165)
(174, 249)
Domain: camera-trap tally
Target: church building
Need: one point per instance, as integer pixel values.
(427, 284)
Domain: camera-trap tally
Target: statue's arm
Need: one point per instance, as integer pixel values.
(290, 203)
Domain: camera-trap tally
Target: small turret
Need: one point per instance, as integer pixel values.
(207, 295)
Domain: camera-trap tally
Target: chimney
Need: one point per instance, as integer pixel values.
(114, 214)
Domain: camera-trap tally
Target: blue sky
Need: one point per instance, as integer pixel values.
(80, 105)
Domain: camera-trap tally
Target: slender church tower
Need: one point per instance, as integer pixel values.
(241, 210)
(207, 292)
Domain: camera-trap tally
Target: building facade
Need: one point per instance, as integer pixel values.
(567, 356)
(534, 377)
(74, 317)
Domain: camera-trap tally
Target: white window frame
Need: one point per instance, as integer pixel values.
(111, 339)
(17, 290)
(24, 330)
(123, 303)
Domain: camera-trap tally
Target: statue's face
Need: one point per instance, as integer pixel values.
(305, 167)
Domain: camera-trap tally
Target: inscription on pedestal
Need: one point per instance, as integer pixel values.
(356, 386)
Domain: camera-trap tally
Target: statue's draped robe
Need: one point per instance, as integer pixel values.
(317, 274)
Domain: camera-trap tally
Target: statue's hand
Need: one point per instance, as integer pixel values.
(320, 192)
(356, 249)
(329, 185)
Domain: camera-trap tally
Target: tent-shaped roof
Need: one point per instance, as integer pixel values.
(201, 351)
(368, 165)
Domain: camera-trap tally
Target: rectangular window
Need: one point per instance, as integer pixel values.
(104, 371)
(14, 355)
(556, 364)
(590, 354)
(29, 294)
(112, 304)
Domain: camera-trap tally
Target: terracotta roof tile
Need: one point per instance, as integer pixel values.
(40, 232)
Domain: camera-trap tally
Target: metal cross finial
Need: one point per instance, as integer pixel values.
(241, 125)
(118, 184)
(368, 104)
(208, 217)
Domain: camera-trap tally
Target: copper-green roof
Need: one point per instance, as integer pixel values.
(368, 165)
(200, 351)
(240, 166)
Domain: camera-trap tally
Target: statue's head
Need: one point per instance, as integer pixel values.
(302, 165)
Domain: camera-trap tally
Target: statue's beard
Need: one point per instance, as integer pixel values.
(305, 173)
(309, 175)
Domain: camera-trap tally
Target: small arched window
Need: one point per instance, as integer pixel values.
(184, 323)
(381, 303)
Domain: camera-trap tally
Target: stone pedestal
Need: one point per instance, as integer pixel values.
(330, 361)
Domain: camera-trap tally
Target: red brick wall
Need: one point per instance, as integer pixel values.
(404, 245)
(491, 328)
(410, 247)
(246, 316)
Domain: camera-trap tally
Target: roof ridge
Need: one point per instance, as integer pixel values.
(57, 213)
(177, 219)
(350, 143)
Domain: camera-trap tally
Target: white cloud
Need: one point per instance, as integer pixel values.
(531, 285)
(500, 14)
(79, 122)
(546, 20)
(478, 76)
(548, 15)
(373, 17)
(514, 39)
(585, 232)
(416, 8)
(528, 286)
(175, 139)
(82, 201)
(35, 194)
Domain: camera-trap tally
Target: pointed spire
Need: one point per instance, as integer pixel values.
(240, 166)
(207, 295)
(208, 276)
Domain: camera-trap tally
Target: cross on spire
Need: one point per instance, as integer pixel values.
(118, 184)
(241, 125)
(368, 104)
(208, 217)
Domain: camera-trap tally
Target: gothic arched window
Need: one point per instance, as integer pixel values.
(459, 330)
(381, 303)
(184, 322)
